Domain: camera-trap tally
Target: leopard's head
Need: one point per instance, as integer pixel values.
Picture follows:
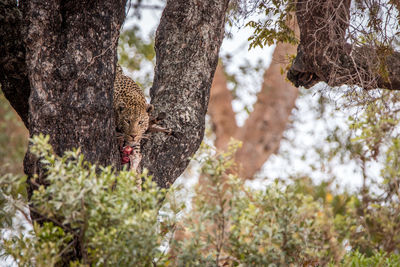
(134, 122)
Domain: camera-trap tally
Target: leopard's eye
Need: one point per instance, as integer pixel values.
(141, 122)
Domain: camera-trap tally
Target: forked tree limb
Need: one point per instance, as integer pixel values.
(263, 130)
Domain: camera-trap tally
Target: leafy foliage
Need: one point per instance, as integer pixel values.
(272, 24)
(113, 222)
(232, 224)
(276, 28)
(296, 223)
(379, 259)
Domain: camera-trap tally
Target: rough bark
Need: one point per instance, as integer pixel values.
(13, 70)
(187, 45)
(57, 70)
(71, 55)
(324, 54)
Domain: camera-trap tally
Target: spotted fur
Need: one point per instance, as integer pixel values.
(130, 108)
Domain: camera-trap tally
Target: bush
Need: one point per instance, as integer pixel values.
(234, 225)
(110, 221)
(112, 225)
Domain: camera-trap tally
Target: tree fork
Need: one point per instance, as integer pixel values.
(65, 64)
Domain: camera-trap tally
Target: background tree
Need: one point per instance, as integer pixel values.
(263, 130)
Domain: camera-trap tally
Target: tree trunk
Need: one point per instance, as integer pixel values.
(71, 55)
(57, 70)
(220, 110)
(187, 45)
(13, 70)
(263, 130)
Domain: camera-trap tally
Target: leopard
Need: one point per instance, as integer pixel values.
(133, 120)
(131, 109)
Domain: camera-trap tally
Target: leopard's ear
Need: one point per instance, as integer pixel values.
(119, 69)
(149, 108)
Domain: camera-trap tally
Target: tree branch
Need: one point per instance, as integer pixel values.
(324, 55)
(141, 6)
(263, 130)
(187, 44)
(220, 110)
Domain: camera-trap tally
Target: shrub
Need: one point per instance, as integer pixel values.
(112, 225)
(109, 221)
